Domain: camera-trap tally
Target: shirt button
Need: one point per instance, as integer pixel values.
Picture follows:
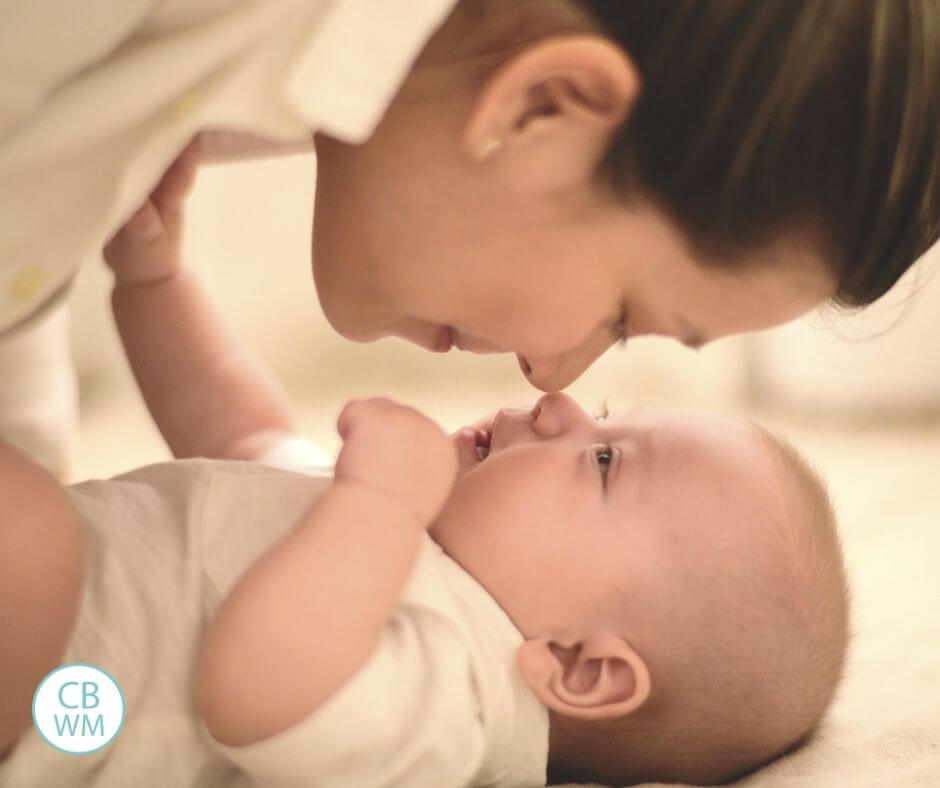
(186, 105)
(26, 284)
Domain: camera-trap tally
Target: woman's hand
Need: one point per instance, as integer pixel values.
(398, 452)
(146, 249)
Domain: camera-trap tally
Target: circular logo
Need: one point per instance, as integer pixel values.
(78, 708)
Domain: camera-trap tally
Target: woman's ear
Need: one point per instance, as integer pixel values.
(546, 116)
(602, 676)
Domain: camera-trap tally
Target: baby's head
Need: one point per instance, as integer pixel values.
(677, 577)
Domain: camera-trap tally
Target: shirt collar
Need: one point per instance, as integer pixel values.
(355, 62)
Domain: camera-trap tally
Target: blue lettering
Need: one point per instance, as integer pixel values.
(99, 723)
(68, 721)
(69, 724)
(92, 694)
(62, 695)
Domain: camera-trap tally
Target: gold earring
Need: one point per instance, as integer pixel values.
(487, 148)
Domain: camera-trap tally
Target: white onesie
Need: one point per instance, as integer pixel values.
(440, 702)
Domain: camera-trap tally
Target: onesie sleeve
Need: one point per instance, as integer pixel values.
(295, 453)
(409, 717)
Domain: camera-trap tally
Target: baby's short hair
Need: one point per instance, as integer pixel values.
(731, 692)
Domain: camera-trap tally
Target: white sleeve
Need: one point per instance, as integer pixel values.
(293, 453)
(44, 44)
(409, 717)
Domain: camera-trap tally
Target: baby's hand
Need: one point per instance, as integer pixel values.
(146, 249)
(399, 452)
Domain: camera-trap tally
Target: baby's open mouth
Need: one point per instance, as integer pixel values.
(474, 441)
(483, 443)
(473, 445)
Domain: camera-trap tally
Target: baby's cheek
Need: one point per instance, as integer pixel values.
(498, 502)
(472, 519)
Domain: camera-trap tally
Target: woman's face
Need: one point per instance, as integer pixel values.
(413, 239)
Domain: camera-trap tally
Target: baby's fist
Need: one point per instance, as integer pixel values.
(399, 452)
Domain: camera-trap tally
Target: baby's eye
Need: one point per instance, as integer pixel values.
(604, 455)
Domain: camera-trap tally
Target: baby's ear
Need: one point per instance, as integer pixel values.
(602, 676)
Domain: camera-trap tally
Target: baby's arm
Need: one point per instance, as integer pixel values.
(309, 613)
(207, 394)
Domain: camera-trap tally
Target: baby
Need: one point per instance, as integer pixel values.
(543, 596)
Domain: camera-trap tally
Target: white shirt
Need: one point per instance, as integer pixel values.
(439, 703)
(97, 98)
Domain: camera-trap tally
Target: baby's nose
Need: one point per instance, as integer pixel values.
(555, 414)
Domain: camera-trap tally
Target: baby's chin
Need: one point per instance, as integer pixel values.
(438, 533)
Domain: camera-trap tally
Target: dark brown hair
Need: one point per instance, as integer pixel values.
(759, 116)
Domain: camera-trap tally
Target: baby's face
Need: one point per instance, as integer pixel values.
(566, 516)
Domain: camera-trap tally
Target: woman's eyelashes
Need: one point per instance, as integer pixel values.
(620, 327)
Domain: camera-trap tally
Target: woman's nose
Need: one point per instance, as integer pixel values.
(556, 414)
(553, 373)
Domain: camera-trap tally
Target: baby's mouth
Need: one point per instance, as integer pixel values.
(473, 445)
(483, 443)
